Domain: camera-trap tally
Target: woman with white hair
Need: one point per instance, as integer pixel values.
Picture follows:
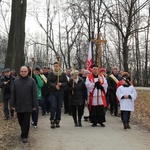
(77, 97)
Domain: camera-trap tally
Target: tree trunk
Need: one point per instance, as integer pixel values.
(125, 55)
(15, 51)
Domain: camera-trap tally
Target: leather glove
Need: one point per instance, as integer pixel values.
(97, 84)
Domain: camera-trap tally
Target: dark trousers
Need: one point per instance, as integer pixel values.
(113, 104)
(125, 116)
(6, 105)
(77, 109)
(45, 104)
(24, 122)
(66, 101)
(56, 99)
(35, 114)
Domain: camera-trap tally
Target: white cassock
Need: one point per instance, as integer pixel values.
(126, 104)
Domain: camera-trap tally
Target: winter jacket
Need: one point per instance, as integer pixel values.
(6, 88)
(24, 94)
(79, 94)
(39, 85)
(45, 88)
(112, 85)
(52, 82)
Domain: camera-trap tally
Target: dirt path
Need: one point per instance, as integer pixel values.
(68, 137)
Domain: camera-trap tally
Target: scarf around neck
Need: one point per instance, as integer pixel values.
(76, 80)
(57, 73)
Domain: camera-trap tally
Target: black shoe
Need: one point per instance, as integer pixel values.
(6, 118)
(48, 111)
(24, 140)
(12, 113)
(102, 125)
(70, 114)
(80, 124)
(125, 126)
(94, 125)
(52, 124)
(57, 124)
(43, 114)
(86, 118)
(75, 124)
(129, 126)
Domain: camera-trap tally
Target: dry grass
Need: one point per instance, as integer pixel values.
(7, 131)
(141, 115)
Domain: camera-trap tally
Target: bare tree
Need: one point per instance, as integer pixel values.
(124, 22)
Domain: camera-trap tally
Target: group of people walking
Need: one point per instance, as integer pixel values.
(34, 88)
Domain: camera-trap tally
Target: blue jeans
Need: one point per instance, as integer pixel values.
(35, 114)
(6, 100)
(56, 99)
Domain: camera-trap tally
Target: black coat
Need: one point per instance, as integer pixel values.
(79, 94)
(52, 82)
(24, 94)
(112, 85)
(6, 88)
(45, 88)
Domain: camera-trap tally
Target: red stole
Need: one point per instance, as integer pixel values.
(91, 79)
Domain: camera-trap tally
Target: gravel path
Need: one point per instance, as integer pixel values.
(68, 137)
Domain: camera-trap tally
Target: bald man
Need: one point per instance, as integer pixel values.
(24, 100)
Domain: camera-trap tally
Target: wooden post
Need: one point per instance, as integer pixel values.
(99, 42)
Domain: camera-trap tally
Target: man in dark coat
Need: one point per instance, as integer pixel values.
(113, 80)
(45, 93)
(6, 83)
(24, 100)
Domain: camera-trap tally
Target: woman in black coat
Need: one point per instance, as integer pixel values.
(77, 97)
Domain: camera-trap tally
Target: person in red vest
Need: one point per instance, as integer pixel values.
(96, 97)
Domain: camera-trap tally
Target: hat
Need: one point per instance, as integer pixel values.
(125, 76)
(7, 70)
(102, 69)
(86, 72)
(93, 65)
(74, 72)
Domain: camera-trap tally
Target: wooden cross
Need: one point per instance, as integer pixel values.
(99, 42)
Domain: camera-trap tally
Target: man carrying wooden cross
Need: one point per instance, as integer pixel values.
(96, 88)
